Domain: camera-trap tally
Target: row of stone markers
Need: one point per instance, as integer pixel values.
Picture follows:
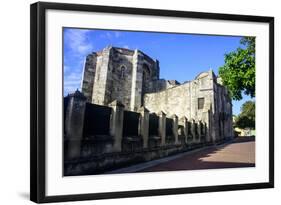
(193, 131)
(153, 136)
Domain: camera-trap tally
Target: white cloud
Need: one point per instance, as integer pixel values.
(79, 45)
(73, 77)
(84, 48)
(108, 35)
(72, 82)
(77, 40)
(66, 68)
(111, 34)
(117, 34)
(70, 89)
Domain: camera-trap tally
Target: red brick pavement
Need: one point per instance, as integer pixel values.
(240, 153)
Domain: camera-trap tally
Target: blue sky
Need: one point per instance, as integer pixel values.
(181, 56)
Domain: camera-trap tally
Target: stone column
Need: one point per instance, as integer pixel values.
(199, 130)
(193, 132)
(116, 124)
(157, 68)
(136, 89)
(184, 122)
(206, 120)
(144, 125)
(74, 124)
(87, 84)
(162, 127)
(205, 130)
(100, 94)
(175, 128)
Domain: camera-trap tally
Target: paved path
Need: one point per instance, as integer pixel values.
(240, 153)
(236, 154)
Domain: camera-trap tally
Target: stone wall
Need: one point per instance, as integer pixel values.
(96, 120)
(146, 112)
(183, 100)
(222, 115)
(114, 137)
(132, 78)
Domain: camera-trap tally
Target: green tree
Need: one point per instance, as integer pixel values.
(246, 119)
(238, 72)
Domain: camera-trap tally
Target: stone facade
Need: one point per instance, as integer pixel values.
(126, 114)
(132, 78)
(119, 74)
(202, 99)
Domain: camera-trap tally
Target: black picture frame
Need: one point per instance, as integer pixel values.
(38, 111)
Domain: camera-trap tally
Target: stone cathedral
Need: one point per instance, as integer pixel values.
(132, 78)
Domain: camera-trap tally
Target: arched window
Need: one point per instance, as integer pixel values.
(122, 72)
(145, 81)
(146, 72)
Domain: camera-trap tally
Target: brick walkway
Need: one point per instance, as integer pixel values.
(240, 153)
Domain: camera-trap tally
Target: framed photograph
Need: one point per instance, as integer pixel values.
(129, 102)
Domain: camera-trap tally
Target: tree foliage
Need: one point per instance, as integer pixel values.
(246, 119)
(238, 72)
